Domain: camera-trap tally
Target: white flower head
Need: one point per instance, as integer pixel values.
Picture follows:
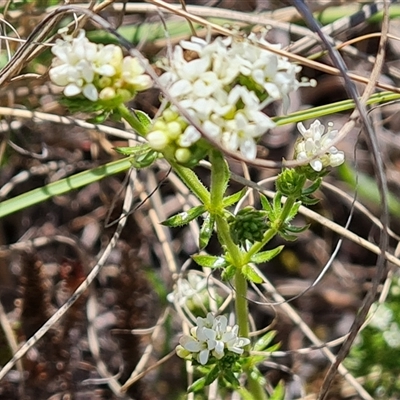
(212, 336)
(86, 68)
(193, 288)
(313, 141)
(226, 86)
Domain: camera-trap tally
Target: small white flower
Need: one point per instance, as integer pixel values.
(194, 287)
(211, 336)
(314, 140)
(133, 73)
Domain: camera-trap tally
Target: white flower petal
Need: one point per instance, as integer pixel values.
(249, 149)
(203, 356)
(72, 90)
(90, 92)
(180, 88)
(190, 344)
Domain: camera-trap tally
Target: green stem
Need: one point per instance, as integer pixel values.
(287, 208)
(219, 181)
(256, 389)
(225, 238)
(241, 306)
(242, 314)
(187, 175)
(270, 233)
(132, 120)
(191, 180)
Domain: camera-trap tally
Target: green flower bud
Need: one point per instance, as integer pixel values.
(183, 155)
(174, 130)
(248, 225)
(290, 182)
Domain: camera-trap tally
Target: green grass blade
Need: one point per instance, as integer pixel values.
(367, 188)
(62, 186)
(332, 108)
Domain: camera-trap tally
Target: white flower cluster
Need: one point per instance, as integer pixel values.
(224, 90)
(95, 70)
(193, 288)
(383, 319)
(313, 141)
(211, 336)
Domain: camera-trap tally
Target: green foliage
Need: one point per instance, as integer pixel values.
(224, 369)
(143, 118)
(234, 198)
(251, 274)
(306, 193)
(184, 217)
(210, 261)
(82, 104)
(376, 354)
(248, 225)
(62, 186)
(279, 392)
(265, 256)
(142, 155)
(283, 226)
(264, 341)
(290, 182)
(228, 273)
(367, 188)
(206, 231)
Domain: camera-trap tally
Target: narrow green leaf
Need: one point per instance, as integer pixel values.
(198, 385)
(309, 201)
(233, 198)
(144, 119)
(277, 206)
(266, 256)
(294, 211)
(228, 273)
(286, 236)
(206, 231)
(212, 375)
(63, 186)
(244, 393)
(264, 341)
(230, 377)
(296, 229)
(145, 160)
(184, 217)
(279, 392)
(132, 150)
(265, 204)
(143, 155)
(251, 275)
(312, 188)
(209, 261)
